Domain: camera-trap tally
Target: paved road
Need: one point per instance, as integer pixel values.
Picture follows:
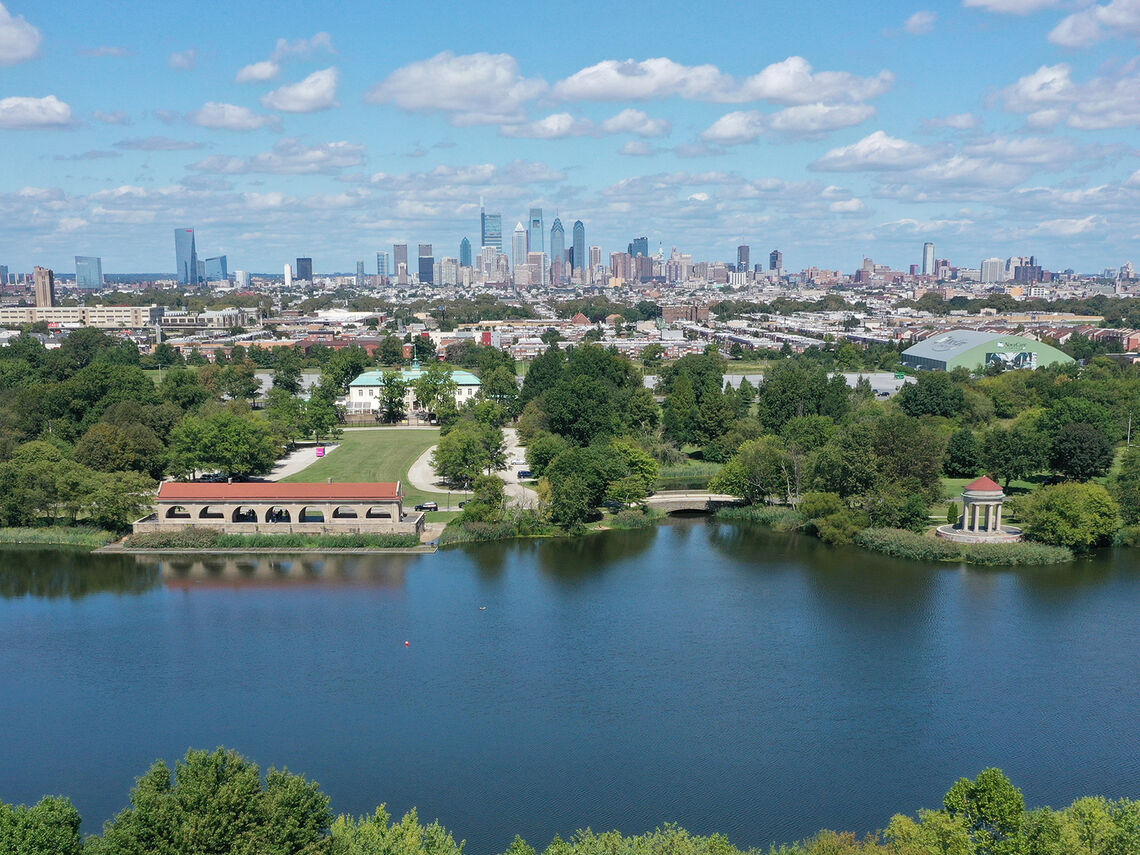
(423, 477)
(295, 461)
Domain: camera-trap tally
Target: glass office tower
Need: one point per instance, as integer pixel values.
(215, 269)
(465, 253)
(580, 258)
(491, 230)
(557, 253)
(186, 256)
(88, 272)
(304, 269)
(534, 233)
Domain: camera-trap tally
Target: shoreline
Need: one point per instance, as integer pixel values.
(114, 549)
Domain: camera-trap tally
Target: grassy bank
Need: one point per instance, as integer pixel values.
(514, 525)
(59, 535)
(779, 518)
(907, 544)
(204, 538)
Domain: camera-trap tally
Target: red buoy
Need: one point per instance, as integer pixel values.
(407, 644)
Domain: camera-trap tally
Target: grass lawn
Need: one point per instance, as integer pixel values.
(952, 487)
(375, 455)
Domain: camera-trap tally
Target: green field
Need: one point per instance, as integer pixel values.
(375, 455)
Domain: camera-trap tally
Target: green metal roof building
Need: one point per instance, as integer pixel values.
(974, 350)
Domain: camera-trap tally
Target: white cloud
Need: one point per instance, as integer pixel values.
(848, 206)
(1070, 227)
(1116, 19)
(19, 40)
(106, 50)
(184, 60)
(475, 89)
(289, 157)
(920, 23)
(804, 120)
(157, 144)
(637, 122)
(1049, 96)
(958, 121)
(1035, 151)
(791, 81)
(876, 152)
(637, 148)
(258, 72)
(315, 92)
(114, 117)
(302, 48)
(961, 170)
(230, 117)
(1011, 7)
(22, 113)
(552, 127)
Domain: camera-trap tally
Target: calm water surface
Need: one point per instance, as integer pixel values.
(720, 676)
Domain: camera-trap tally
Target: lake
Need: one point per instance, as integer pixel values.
(718, 675)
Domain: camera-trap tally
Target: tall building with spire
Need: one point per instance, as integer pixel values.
(186, 256)
(518, 249)
(579, 258)
(557, 253)
(535, 232)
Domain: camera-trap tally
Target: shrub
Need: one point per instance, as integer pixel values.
(777, 517)
(518, 523)
(1079, 516)
(908, 544)
(187, 538)
(58, 535)
(952, 513)
(1128, 536)
(841, 526)
(634, 519)
(817, 505)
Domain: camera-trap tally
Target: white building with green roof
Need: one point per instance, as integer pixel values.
(974, 350)
(365, 395)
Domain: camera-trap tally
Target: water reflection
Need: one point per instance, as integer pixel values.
(52, 573)
(242, 570)
(575, 559)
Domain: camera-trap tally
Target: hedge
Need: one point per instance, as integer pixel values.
(920, 547)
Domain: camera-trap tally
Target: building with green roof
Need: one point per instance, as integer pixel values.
(365, 395)
(974, 350)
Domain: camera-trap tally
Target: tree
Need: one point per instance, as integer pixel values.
(322, 415)
(216, 802)
(1126, 486)
(393, 397)
(1081, 451)
(111, 448)
(571, 503)
(462, 454)
(434, 386)
(963, 457)
(371, 835)
(1013, 453)
(680, 414)
(487, 502)
(501, 387)
(183, 388)
(934, 394)
(235, 446)
(991, 808)
(238, 381)
(287, 374)
(286, 415)
(1079, 516)
(582, 409)
(391, 351)
(49, 827)
(758, 471)
(652, 354)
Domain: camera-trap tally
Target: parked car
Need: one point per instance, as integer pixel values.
(428, 506)
(525, 473)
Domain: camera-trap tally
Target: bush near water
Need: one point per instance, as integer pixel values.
(219, 802)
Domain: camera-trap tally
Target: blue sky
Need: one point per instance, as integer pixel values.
(828, 130)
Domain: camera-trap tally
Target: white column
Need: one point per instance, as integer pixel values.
(998, 517)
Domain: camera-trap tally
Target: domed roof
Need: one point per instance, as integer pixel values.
(983, 485)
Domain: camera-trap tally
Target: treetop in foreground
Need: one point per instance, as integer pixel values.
(218, 803)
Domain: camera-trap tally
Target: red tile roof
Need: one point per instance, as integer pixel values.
(984, 485)
(275, 491)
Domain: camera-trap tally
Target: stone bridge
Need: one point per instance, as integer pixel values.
(671, 501)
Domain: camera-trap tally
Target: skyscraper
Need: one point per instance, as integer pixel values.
(465, 253)
(927, 259)
(186, 256)
(491, 230)
(305, 269)
(579, 249)
(3, 274)
(241, 278)
(215, 269)
(88, 272)
(399, 255)
(639, 246)
(743, 253)
(518, 249)
(288, 276)
(993, 270)
(44, 280)
(775, 260)
(427, 265)
(381, 264)
(534, 233)
(360, 274)
(557, 253)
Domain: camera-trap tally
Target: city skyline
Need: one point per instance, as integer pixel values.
(849, 135)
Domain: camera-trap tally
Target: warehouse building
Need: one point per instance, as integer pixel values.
(974, 350)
